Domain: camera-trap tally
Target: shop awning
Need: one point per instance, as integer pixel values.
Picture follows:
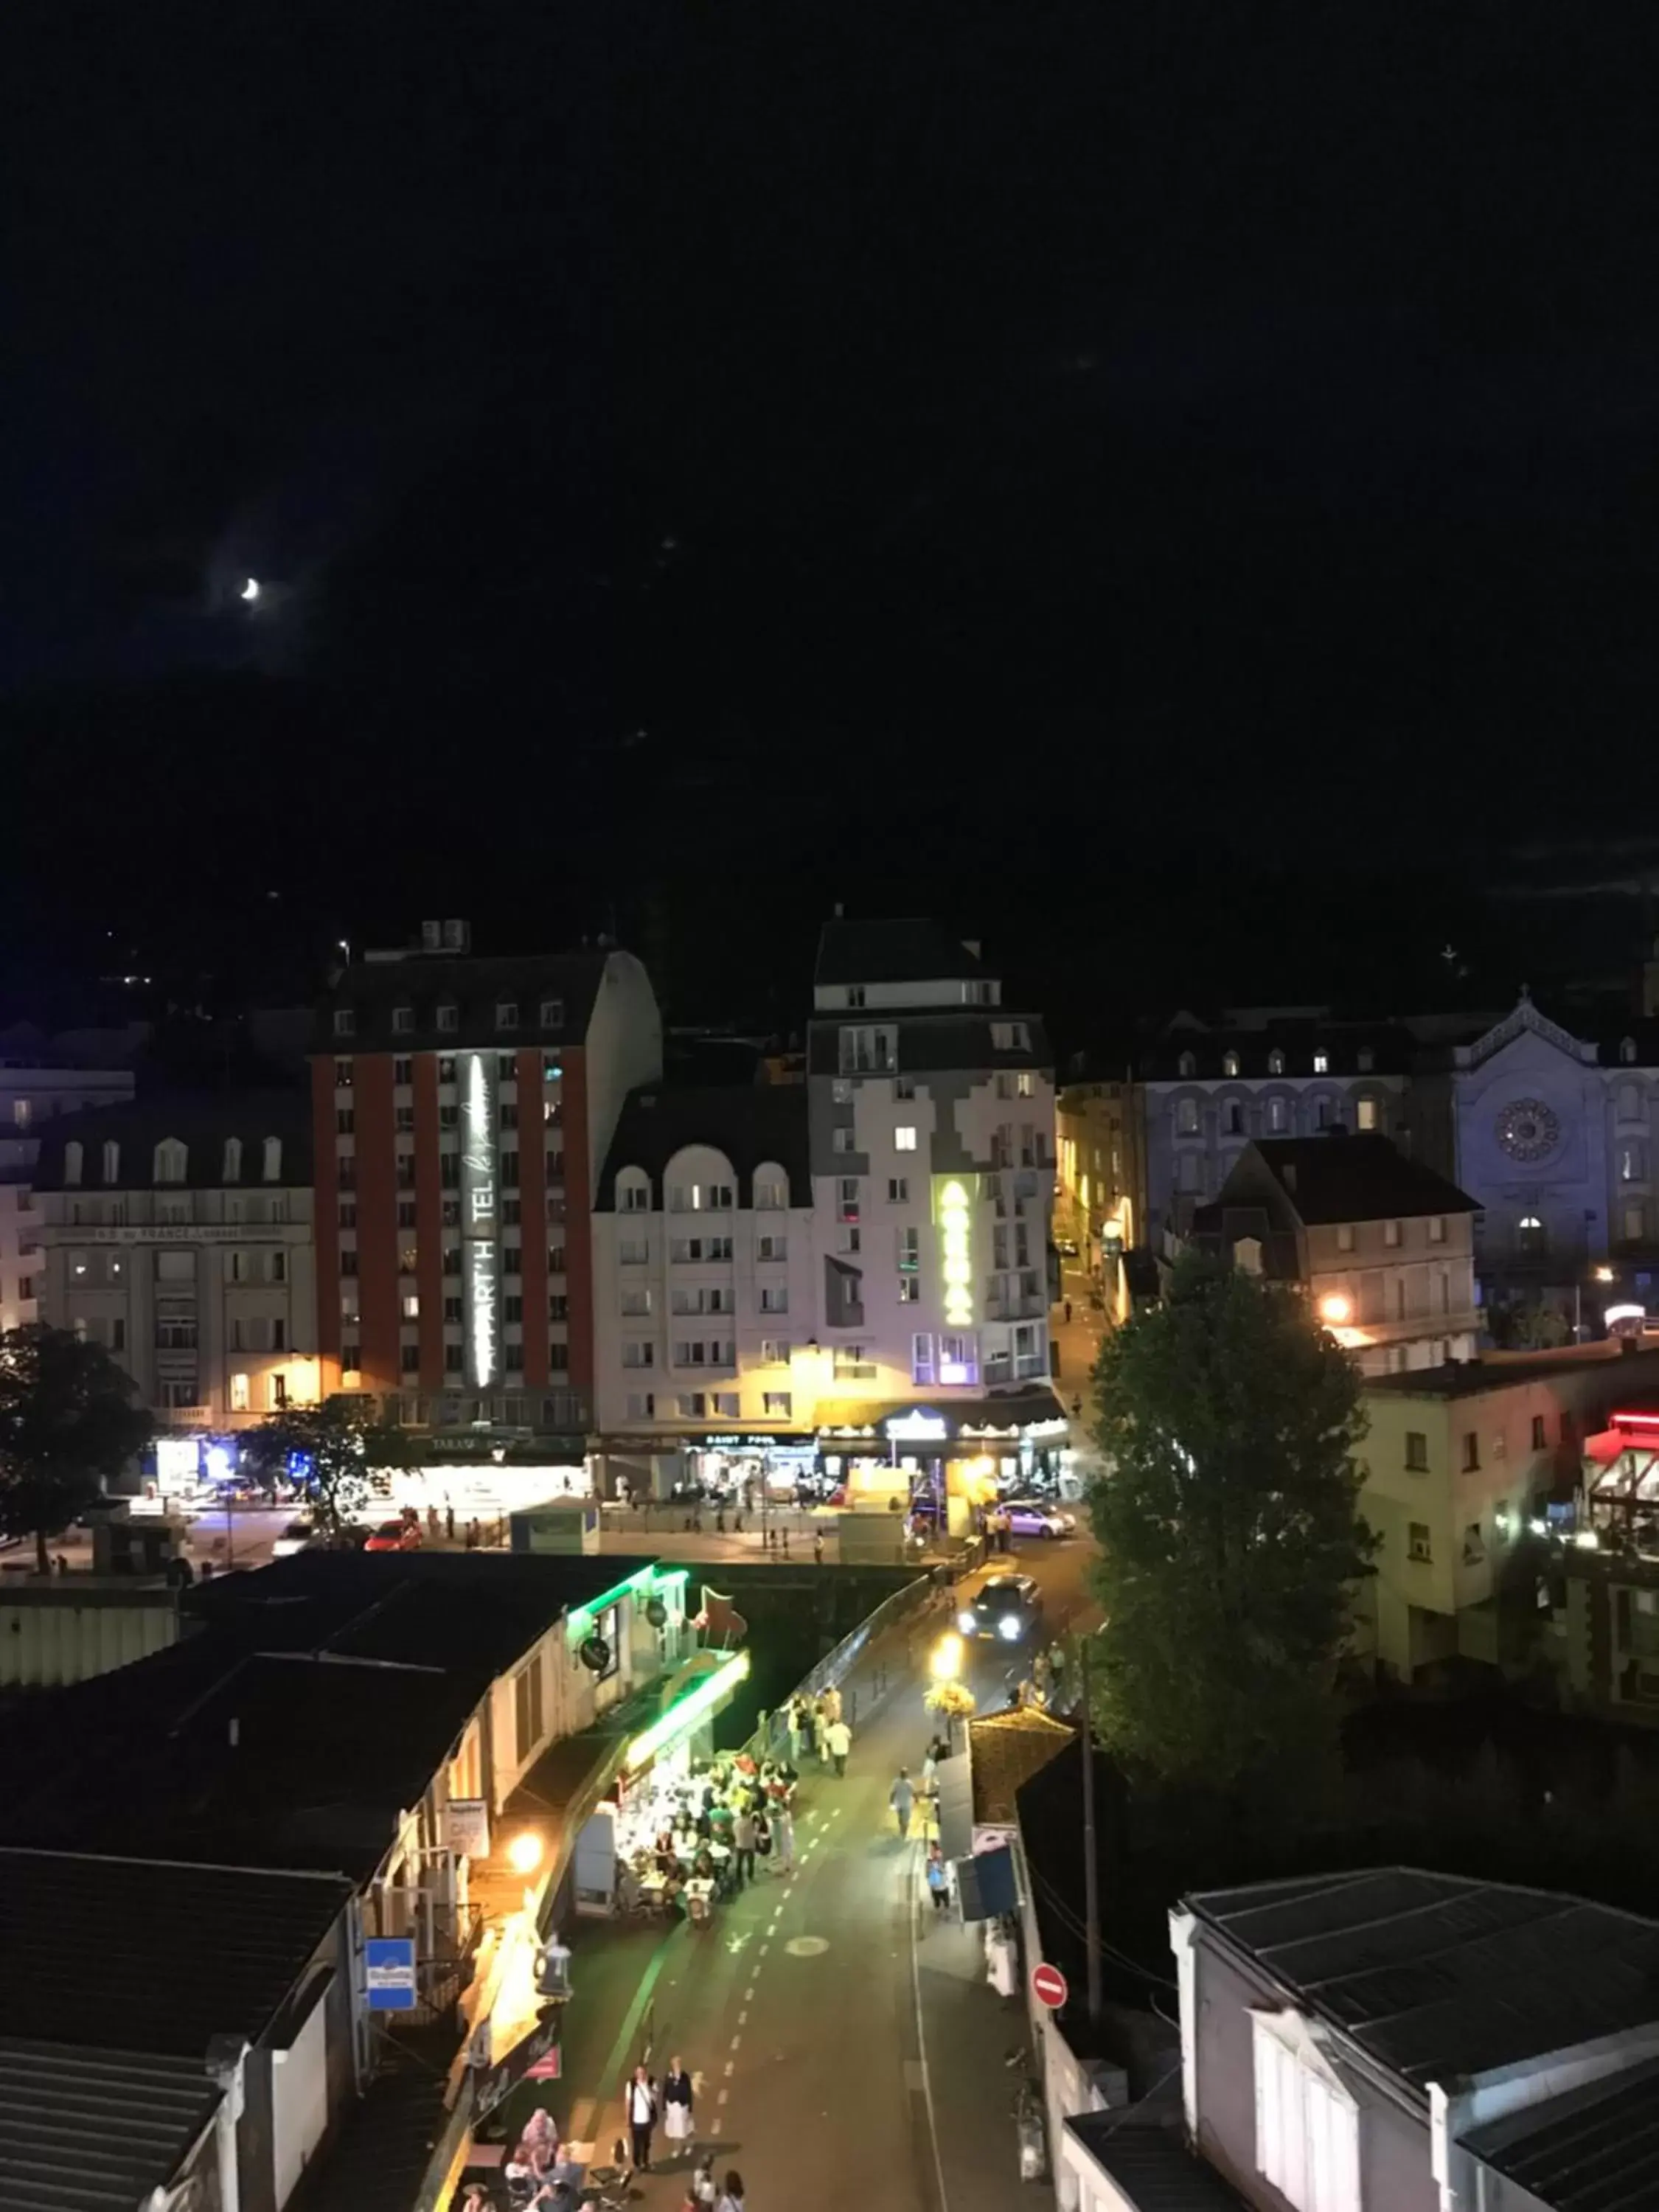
(955, 1806)
(1001, 1411)
(985, 1884)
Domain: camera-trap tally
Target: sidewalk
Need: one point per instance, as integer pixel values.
(967, 2032)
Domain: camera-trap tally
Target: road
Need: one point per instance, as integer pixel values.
(803, 2007)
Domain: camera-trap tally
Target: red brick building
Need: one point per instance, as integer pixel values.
(462, 1109)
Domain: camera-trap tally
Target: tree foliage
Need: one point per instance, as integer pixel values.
(1228, 1532)
(67, 1422)
(329, 1451)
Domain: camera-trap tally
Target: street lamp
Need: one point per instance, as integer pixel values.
(1334, 1309)
(524, 1853)
(946, 1663)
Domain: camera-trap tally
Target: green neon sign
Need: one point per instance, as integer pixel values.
(695, 1702)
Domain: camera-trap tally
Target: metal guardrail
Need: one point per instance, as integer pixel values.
(835, 1665)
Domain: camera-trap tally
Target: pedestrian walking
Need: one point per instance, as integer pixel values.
(678, 2100)
(797, 1730)
(641, 2117)
(783, 1840)
(818, 1547)
(838, 1737)
(1068, 1310)
(449, 1520)
(938, 1878)
(730, 2197)
(902, 1797)
(786, 1543)
(742, 1845)
(832, 1703)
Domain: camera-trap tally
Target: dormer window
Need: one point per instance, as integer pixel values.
(1627, 1051)
(1189, 1064)
(232, 1159)
(345, 1022)
(1321, 1062)
(71, 1162)
(403, 1020)
(273, 1159)
(506, 1013)
(1367, 1059)
(112, 1160)
(171, 1160)
(1230, 1063)
(552, 1013)
(449, 1016)
(1276, 1062)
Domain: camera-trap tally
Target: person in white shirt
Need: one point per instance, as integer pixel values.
(641, 2117)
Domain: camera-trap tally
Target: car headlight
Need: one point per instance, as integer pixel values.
(966, 1623)
(1010, 1627)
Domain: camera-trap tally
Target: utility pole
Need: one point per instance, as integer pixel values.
(1090, 1864)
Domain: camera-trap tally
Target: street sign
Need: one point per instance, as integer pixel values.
(468, 1822)
(389, 1972)
(1048, 1985)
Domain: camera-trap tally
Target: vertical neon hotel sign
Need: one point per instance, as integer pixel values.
(478, 1214)
(955, 1233)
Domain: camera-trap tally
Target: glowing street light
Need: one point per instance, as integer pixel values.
(946, 1664)
(1604, 1274)
(524, 1853)
(1334, 1309)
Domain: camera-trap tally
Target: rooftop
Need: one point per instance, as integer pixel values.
(1151, 2165)
(201, 1121)
(753, 1125)
(1008, 1748)
(1352, 1178)
(937, 1038)
(1439, 1977)
(1468, 1378)
(124, 1955)
(1595, 2149)
(148, 2111)
(904, 952)
(371, 989)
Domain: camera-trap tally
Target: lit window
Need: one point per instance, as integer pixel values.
(1322, 1063)
(777, 1405)
(1365, 1113)
(1307, 2128)
(1276, 1062)
(238, 1394)
(1276, 1116)
(904, 1138)
(1230, 1063)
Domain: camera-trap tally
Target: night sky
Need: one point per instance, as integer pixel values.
(1171, 488)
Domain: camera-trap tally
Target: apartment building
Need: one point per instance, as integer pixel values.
(931, 1110)
(1100, 1199)
(1462, 1465)
(462, 1109)
(35, 1089)
(177, 1233)
(1382, 1246)
(704, 1279)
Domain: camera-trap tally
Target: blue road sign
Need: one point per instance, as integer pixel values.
(389, 1972)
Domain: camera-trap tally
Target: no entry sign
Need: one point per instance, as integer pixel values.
(1048, 1985)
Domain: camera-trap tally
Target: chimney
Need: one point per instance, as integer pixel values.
(457, 937)
(839, 910)
(432, 936)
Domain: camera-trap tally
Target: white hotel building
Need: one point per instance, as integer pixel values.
(856, 1272)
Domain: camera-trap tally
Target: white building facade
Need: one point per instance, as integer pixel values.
(178, 1235)
(31, 1097)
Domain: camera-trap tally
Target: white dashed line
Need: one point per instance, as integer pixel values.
(748, 1993)
(765, 1949)
(743, 2022)
(731, 2069)
(733, 2043)
(720, 2099)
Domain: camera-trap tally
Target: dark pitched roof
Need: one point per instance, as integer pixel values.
(1467, 1378)
(95, 2130)
(201, 1121)
(1152, 2167)
(928, 1040)
(1353, 1179)
(752, 1124)
(423, 981)
(916, 951)
(1595, 2149)
(1437, 1977)
(118, 1954)
(1354, 1049)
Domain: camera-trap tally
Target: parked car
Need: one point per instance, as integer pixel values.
(1008, 1608)
(395, 1536)
(298, 1536)
(1036, 1516)
(1066, 1247)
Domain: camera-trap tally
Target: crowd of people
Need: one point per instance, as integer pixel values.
(818, 1728)
(695, 1841)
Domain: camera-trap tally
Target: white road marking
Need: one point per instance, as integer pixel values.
(922, 2037)
(731, 2069)
(765, 1949)
(743, 2022)
(720, 2099)
(748, 1993)
(733, 2043)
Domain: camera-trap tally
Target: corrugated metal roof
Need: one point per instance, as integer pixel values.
(1149, 2166)
(94, 2130)
(1439, 1977)
(1595, 2149)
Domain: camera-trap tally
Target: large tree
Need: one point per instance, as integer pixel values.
(67, 1422)
(1229, 1531)
(328, 1451)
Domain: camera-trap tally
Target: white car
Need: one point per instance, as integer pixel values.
(1035, 1516)
(298, 1536)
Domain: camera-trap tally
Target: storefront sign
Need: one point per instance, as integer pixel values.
(537, 2058)
(478, 1220)
(917, 1427)
(467, 1820)
(389, 1972)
